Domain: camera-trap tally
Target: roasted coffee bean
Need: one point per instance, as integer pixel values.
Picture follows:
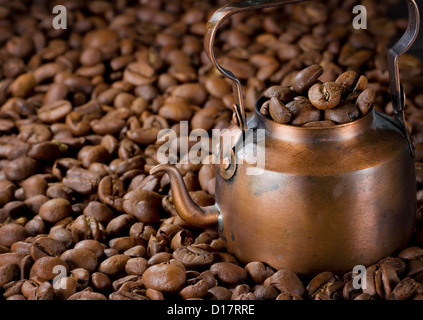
(13, 288)
(20, 168)
(8, 273)
(47, 268)
(63, 235)
(111, 191)
(256, 271)
(136, 266)
(385, 280)
(325, 96)
(7, 190)
(303, 112)
(286, 281)
(404, 289)
(278, 111)
(411, 253)
(120, 225)
(46, 247)
(64, 288)
(193, 257)
(365, 100)
(92, 245)
(218, 293)
(306, 78)
(228, 273)
(165, 277)
(55, 210)
(361, 85)
(87, 228)
(55, 111)
(101, 281)
(397, 263)
(99, 211)
(114, 264)
(80, 258)
(82, 277)
(347, 82)
(33, 186)
(345, 112)
(124, 243)
(284, 94)
(143, 205)
(11, 233)
(87, 295)
(81, 180)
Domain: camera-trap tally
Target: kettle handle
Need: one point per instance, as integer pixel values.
(214, 23)
(401, 47)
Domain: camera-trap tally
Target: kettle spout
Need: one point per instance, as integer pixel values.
(188, 210)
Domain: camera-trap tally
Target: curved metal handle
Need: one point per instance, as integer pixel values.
(401, 47)
(214, 23)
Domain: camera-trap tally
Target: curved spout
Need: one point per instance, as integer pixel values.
(187, 209)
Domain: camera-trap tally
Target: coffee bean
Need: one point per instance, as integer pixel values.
(365, 100)
(81, 180)
(303, 112)
(411, 253)
(12, 232)
(218, 293)
(256, 271)
(345, 112)
(99, 211)
(42, 291)
(114, 264)
(7, 190)
(33, 186)
(23, 85)
(307, 78)
(325, 96)
(87, 295)
(20, 168)
(228, 272)
(286, 281)
(55, 111)
(347, 81)
(165, 277)
(55, 210)
(46, 247)
(64, 288)
(80, 258)
(198, 290)
(404, 289)
(136, 266)
(278, 111)
(193, 257)
(101, 281)
(143, 205)
(124, 243)
(385, 280)
(8, 272)
(47, 267)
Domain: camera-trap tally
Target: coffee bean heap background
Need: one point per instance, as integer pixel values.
(80, 110)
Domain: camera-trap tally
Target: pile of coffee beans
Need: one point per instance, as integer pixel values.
(311, 103)
(80, 111)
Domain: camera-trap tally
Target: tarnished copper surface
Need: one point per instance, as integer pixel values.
(329, 199)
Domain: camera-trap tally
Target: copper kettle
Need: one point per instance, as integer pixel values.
(329, 198)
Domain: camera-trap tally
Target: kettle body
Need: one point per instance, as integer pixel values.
(328, 199)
